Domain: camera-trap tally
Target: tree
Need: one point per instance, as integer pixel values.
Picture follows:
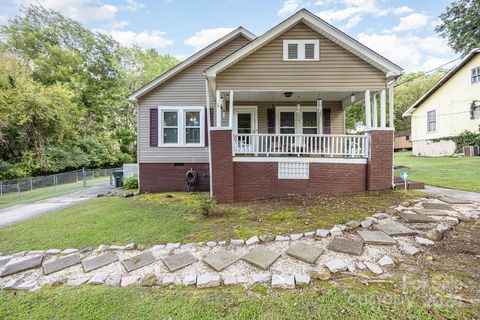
(410, 88)
(461, 25)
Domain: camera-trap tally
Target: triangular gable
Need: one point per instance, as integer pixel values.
(389, 68)
(191, 60)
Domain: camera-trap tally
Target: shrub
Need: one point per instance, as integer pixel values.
(131, 183)
(207, 204)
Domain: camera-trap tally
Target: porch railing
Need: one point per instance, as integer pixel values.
(328, 145)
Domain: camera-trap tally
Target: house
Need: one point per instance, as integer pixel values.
(402, 140)
(256, 117)
(450, 107)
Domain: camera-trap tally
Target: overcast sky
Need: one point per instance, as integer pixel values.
(402, 31)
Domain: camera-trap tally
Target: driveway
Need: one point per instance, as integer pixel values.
(465, 195)
(23, 212)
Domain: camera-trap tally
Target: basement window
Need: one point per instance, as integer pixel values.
(301, 50)
(293, 170)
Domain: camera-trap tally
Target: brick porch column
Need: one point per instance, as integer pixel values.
(222, 164)
(380, 160)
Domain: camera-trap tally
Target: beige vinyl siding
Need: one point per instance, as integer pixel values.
(187, 88)
(265, 69)
(337, 113)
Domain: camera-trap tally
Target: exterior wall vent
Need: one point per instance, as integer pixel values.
(293, 170)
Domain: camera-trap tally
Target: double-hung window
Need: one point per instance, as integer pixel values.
(475, 75)
(301, 50)
(432, 121)
(182, 126)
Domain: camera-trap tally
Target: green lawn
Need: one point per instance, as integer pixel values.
(447, 172)
(318, 302)
(11, 199)
(157, 218)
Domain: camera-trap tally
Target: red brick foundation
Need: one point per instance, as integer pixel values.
(222, 165)
(380, 160)
(168, 177)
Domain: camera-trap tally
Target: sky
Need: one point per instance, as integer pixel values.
(402, 31)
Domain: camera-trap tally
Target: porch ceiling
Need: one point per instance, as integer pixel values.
(272, 96)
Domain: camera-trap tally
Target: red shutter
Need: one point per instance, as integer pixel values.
(271, 120)
(153, 127)
(326, 121)
(206, 127)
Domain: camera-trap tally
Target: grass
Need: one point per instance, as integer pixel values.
(11, 199)
(100, 302)
(157, 218)
(447, 172)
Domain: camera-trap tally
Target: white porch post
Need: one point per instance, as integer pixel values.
(218, 109)
(230, 111)
(383, 108)
(368, 110)
(390, 105)
(374, 112)
(209, 125)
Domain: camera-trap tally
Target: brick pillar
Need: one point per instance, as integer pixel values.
(222, 164)
(380, 160)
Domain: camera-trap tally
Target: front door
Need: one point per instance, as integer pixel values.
(245, 123)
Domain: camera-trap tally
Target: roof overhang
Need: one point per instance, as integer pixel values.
(189, 61)
(440, 82)
(391, 70)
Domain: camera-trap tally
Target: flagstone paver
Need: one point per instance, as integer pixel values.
(437, 206)
(415, 218)
(376, 237)
(395, 229)
(345, 245)
(452, 200)
(61, 263)
(261, 257)
(432, 212)
(23, 265)
(99, 261)
(138, 261)
(336, 265)
(220, 260)
(3, 262)
(305, 252)
(179, 261)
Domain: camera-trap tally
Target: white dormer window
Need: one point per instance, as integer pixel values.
(301, 50)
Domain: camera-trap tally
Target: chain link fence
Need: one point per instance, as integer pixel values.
(59, 182)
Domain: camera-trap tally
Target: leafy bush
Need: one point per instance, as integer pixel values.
(207, 204)
(466, 138)
(130, 183)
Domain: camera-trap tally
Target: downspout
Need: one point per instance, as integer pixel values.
(207, 99)
(137, 115)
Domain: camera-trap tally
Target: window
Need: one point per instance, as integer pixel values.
(181, 126)
(287, 122)
(293, 170)
(309, 122)
(432, 121)
(301, 50)
(475, 75)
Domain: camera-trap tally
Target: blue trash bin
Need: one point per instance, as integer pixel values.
(118, 176)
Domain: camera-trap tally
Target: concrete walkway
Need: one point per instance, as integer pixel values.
(465, 195)
(21, 212)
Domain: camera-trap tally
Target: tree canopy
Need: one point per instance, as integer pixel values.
(460, 24)
(63, 92)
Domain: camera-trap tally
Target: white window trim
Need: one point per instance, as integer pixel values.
(298, 117)
(181, 126)
(470, 76)
(301, 49)
(436, 121)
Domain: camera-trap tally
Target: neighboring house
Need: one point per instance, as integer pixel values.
(450, 107)
(402, 140)
(259, 117)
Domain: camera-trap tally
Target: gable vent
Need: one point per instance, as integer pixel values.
(310, 51)
(292, 51)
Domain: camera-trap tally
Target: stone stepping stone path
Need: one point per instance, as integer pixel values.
(138, 261)
(61, 264)
(437, 206)
(178, 261)
(220, 260)
(415, 218)
(261, 257)
(345, 245)
(395, 229)
(3, 262)
(23, 265)
(432, 212)
(305, 252)
(452, 200)
(376, 237)
(98, 262)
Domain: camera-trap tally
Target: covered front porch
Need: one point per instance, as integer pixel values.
(306, 124)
